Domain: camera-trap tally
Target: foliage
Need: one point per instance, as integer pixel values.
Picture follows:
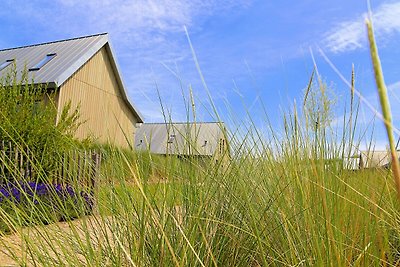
(318, 104)
(29, 119)
(31, 126)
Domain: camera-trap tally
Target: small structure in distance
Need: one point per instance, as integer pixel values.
(368, 159)
(203, 139)
(375, 159)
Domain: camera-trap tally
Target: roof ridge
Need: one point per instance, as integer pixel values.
(57, 41)
(203, 122)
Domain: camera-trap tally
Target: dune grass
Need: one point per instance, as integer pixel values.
(282, 202)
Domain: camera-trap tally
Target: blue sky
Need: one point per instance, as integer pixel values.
(247, 50)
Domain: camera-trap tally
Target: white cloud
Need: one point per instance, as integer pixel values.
(394, 86)
(394, 97)
(138, 24)
(351, 35)
(144, 34)
(143, 19)
(375, 145)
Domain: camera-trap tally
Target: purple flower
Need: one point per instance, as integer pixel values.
(4, 192)
(58, 188)
(41, 189)
(70, 191)
(15, 191)
(20, 192)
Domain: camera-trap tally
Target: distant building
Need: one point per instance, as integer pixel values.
(183, 139)
(374, 159)
(84, 71)
(351, 163)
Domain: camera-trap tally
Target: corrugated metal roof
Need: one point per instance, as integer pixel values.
(180, 138)
(71, 55)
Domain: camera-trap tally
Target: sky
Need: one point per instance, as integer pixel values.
(245, 56)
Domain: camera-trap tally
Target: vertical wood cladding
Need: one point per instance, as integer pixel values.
(104, 112)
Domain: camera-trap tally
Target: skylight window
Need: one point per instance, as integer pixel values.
(43, 62)
(5, 64)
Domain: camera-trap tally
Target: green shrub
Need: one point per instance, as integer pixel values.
(29, 121)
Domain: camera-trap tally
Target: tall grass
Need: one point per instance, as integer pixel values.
(285, 199)
(385, 105)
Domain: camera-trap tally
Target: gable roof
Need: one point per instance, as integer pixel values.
(180, 138)
(71, 55)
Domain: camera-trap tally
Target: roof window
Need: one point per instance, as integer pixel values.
(5, 64)
(43, 62)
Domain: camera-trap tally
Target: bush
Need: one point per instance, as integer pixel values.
(29, 121)
(33, 133)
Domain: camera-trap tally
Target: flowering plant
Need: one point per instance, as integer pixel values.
(51, 202)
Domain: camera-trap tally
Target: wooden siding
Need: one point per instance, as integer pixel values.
(222, 153)
(104, 112)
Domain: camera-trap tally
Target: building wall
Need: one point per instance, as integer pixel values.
(222, 153)
(200, 139)
(103, 110)
(374, 159)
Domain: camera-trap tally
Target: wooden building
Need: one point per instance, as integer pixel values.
(83, 71)
(204, 139)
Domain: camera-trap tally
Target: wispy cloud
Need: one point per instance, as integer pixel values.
(394, 86)
(145, 21)
(394, 94)
(351, 35)
(144, 33)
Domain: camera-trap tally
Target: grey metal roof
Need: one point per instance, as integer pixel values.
(71, 55)
(180, 138)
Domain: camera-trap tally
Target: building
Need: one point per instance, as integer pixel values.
(83, 71)
(183, 139)
(351, 163)
(374, 159)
